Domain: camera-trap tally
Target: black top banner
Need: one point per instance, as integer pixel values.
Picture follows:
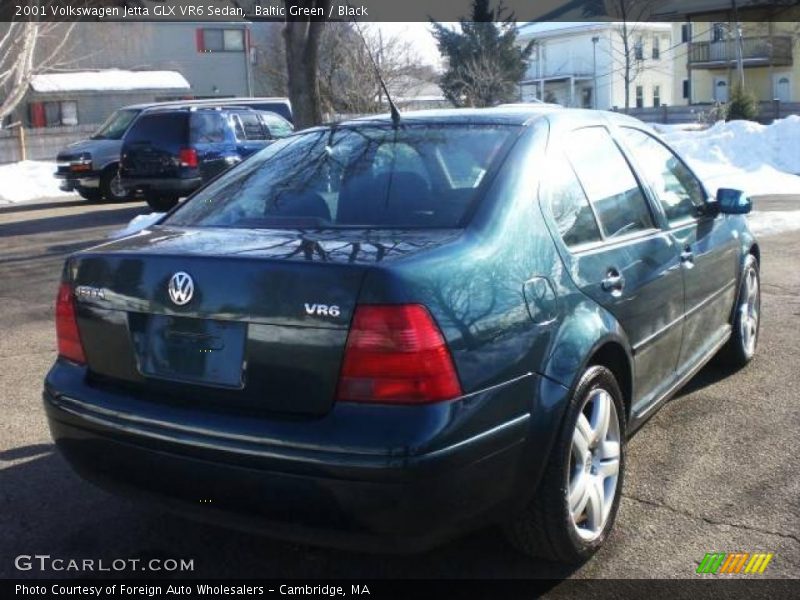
(393, 10)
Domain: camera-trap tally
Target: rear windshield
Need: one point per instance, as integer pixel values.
(159, 127)
(116, 125)
(421, 175)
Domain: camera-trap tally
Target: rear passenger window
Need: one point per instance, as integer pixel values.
(609, 182)
(207, 128)
(678, 190)
(563, 196)
(248, 127)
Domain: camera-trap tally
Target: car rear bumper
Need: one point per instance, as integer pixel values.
(177, 185)
(402, 498)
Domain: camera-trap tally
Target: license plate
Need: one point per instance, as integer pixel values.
(199, 351)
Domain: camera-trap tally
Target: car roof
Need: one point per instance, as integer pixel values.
(508, 114)
(204, 101)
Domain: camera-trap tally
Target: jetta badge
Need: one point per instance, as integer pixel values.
(181, 288)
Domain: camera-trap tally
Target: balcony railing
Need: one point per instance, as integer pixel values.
(756, 51)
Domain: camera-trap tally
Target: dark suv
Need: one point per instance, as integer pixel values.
(170, 152)
(382, 333)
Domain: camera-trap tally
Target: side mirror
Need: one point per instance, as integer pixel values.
(733, 202)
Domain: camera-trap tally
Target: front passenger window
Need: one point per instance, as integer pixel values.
(678, 190)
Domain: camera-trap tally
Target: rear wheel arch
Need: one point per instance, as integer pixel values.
(612, 355)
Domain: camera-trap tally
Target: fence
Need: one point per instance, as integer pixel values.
(39, 144)
(668, 115)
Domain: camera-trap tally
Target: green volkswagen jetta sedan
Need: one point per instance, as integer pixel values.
(382, 333)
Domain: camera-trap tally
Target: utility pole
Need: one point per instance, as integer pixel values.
(595, 39)
(739, 48)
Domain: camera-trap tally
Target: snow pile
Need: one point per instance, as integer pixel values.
(109, 79)
(136, 225)
(28, 180)
(772, 222)
(759, 159)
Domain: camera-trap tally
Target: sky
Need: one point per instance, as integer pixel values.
(419, 34)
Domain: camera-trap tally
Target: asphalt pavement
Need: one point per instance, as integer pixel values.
(714, 471)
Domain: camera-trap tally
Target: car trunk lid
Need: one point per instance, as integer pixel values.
(264, 325)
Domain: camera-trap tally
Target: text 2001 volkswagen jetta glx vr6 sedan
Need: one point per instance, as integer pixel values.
(384, 334)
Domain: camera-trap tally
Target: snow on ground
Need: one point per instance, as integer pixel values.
(758, 159)
(28, 180)
(765, 223)
(136, 225)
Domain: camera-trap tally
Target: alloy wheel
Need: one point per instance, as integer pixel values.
(594, 465)
(115, 186)
(749, 312)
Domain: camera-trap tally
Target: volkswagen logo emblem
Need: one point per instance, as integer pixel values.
(181, 288)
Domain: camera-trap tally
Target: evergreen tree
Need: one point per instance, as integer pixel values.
(484, 62)
(743, 105)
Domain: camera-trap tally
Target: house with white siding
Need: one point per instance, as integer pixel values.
(583, 64)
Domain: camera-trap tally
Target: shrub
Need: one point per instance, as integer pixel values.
(743, 105)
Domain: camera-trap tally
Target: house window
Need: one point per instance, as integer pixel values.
(220, 40)
(638, 49)
(686, 89)
(53, 114)
(718, 31)
(656, 96)
(686, 33)
(656, 48)
(639, 96)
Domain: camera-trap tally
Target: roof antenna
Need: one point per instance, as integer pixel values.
(392, 107)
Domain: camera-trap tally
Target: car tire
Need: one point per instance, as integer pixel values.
(111, 187)
(746, 323)
(161, 202)
(90, 194)
(585, 469)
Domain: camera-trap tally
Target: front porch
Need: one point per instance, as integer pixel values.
(567, 90)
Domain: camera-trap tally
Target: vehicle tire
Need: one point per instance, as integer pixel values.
(161, 202)
(90, 194)
(746, 324)
(111, 187)
(574, 508)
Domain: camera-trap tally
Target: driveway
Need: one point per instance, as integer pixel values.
(714, 471)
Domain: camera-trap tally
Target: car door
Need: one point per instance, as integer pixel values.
(709, 249)
(633, 267)
(251, 135)
(215, 146)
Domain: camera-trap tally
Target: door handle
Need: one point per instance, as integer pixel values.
(687, 256)
(614, 281)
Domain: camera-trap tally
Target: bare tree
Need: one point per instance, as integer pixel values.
(482, 80)
(630, 14)
(28, 49)
(345, 74)
(348, 80)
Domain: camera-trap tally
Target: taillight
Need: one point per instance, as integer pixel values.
(188, 157)
(396, 354)
(69, 342)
